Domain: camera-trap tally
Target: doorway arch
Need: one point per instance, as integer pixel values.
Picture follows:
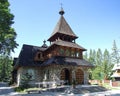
(80, 76)
(65, 75)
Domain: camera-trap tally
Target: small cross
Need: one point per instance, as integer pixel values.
(61, 5)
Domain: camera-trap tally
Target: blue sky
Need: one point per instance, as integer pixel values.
(95, 22)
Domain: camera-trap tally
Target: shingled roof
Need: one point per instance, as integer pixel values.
(67, 61)
(67, 44)
(63, 27)
(27, 54)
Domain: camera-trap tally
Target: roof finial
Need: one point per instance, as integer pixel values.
(44, 41)
(61, 12)
(44, 44)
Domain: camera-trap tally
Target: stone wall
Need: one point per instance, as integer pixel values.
(55, 73)
(23, 70)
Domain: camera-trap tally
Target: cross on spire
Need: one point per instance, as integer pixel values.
(61, 12)
(61, 4)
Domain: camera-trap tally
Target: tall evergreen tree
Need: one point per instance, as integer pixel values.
(92, 60)
(107, 64)
(97, 72)
(99, 57)
(115, 54)
(102, 62)
(7, 33)
(85, 56)
(92, 56)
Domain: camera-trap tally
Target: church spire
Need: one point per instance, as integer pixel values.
(62, 30)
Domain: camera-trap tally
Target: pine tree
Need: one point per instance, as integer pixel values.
(99, 57)
(107, 64)
(92, 60)
(97, 72)
(115, 54)
(92, 56)
(85, 56)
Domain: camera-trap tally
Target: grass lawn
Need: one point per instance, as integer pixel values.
(106, 85)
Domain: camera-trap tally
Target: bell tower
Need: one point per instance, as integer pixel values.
(62, 31)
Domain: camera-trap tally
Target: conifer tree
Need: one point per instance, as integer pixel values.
(107, 64)
(92, 56)
(115, 54)
(85, 56)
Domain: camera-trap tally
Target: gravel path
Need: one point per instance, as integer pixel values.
(5, 90)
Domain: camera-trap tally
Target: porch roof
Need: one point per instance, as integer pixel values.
(66, 44)
(67, 61)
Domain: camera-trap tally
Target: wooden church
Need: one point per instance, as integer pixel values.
(61, 60)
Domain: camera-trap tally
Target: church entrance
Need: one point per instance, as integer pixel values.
(80, 76)
(65, 75)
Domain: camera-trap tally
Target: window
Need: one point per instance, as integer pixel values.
(72, 53)
(77, 54)
(67, 52)
(61, 51)
(31, 72)
(40, 55)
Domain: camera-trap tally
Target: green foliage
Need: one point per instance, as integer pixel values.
(107, 64)
(85, 56)
(115, 54)
(7, 33)
(5, 68)
(103, 61)
(25, 81)
(19, 89)
(103, 64)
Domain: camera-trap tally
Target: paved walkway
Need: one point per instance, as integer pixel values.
(5, 90)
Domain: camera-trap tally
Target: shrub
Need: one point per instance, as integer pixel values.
(19, 89)
(25, 80)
